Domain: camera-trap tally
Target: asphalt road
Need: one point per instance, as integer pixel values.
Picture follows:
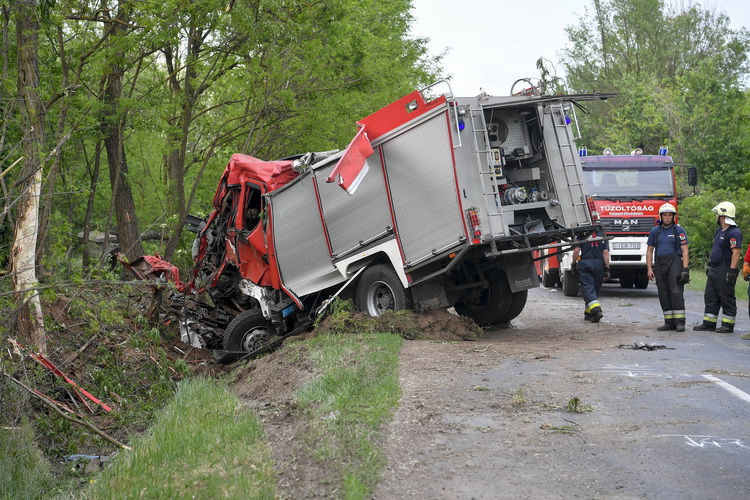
(488, 420)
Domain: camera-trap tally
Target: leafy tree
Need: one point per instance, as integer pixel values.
(680, 75)
(163, 92)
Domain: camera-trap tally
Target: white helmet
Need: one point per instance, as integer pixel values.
(725, 208)
(667, 208)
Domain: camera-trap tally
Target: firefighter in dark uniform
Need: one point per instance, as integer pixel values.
(592, 269)
(746, 277)
(667, 263)
(722, 272)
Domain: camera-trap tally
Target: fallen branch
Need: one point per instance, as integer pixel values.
(91, 426)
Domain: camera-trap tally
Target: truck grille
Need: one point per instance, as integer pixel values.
(627, 224)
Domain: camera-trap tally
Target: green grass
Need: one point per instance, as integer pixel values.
(202, 445)
(24, 471)
(698, 283)
(205, 445)
(348, 406)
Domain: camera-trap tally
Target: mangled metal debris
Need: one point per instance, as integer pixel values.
(644, 346)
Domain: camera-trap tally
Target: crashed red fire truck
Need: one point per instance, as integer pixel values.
(437, 202)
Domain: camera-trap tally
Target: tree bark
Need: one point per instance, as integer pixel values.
(23, 267)
(113, 131)
(90, 208)
(46, 206)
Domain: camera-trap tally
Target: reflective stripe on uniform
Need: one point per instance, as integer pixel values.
(710, 318)
(592, 305)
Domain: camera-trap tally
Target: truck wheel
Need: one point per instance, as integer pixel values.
(626, 282)
(517, 303)
(641, 281)
(248, 331)
(570, 284)
(379, 290)
(550, 279)
(493, 304)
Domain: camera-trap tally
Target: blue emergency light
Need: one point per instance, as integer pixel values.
(663, 151)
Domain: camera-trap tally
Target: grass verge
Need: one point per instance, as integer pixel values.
(698, 283)
(24, 471)
(202, 445)
(347, 407)
(205, 445)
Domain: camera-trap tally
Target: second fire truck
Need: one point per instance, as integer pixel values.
(627, 191)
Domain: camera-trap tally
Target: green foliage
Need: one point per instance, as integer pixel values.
(575, 406)
(201, 81)
(673, 91)
(699, 221)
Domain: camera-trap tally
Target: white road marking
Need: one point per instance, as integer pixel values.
(729, 387)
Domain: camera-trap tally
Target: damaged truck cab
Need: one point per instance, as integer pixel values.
(438, 202)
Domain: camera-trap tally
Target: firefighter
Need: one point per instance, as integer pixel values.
(722, 272)
(592, 269)
(746, 277)
(667, 263)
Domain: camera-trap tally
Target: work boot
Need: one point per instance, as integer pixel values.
(666, 327)
(680, 327)
(704, 328)
(725, 329)
(587, 316)
(596, 316)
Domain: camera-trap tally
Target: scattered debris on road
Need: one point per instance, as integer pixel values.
(644, 346)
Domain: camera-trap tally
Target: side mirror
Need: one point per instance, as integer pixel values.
(692, 176)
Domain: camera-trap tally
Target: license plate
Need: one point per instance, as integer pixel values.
(626, 246)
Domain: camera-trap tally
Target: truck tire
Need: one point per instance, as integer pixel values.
(379, 290)
(627, 281)
(550, 279)
(248, 331)
(517, 303)
(641, 281)
(493, 305)
(570, 284)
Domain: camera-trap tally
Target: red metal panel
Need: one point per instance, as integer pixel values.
(398, 113)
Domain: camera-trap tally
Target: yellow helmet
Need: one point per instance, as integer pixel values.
(667, 208)
(725, 208)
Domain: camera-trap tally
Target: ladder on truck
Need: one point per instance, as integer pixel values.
(488, 173)
(568, 154)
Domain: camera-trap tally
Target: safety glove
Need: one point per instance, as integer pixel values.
(684, 277)
(746, 271)
(606, 273)
(732, 276)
